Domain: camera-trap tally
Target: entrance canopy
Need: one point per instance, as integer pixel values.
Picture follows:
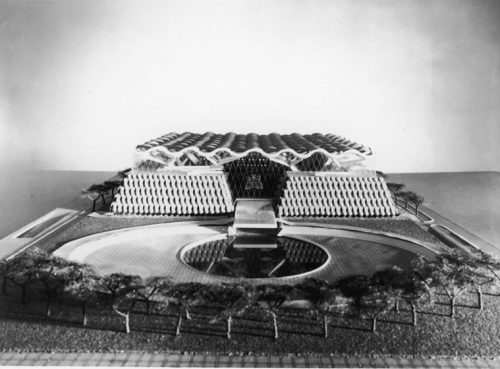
(295, 150)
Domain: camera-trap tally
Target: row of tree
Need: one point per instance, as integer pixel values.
(358, 295)
(406, 196)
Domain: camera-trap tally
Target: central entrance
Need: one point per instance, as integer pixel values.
(255, 176)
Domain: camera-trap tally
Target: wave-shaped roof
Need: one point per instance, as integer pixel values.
(269, 143)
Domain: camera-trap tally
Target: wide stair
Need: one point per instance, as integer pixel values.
(255, 224)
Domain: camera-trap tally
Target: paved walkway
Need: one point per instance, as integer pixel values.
(464, 234)
(54, 221)
(139, 359)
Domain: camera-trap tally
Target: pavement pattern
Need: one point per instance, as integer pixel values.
(140, 359)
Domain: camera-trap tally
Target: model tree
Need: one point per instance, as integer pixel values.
(95, 192)
(83, 289)
(392, 279)
(270, 298)
(231, 300)
(115, 282)
(124, 173)
(375, 301)
(354, 287)
(151, 287)
(450, 272)
(335, 304)
(417, 200)
(112, 185)
(417, 294)
(325, 300)
(488, 269)
(477, 267)
(52, 272)
(4, 270)
(406, 197)
(318, 293)
(125, 298)
(395, 188)
(183, 296)
(21, 269)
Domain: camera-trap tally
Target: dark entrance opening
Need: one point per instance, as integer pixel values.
(255, 176)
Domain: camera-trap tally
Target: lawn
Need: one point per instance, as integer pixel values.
(473, 333)
(403, 227)
(88, 225)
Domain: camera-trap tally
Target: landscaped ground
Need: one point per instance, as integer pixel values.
(472, 333)
(148, 251)
(88, 225)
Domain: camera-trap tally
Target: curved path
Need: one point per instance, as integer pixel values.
(155, 250)
(384, 238)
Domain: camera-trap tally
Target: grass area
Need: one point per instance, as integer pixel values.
(88, 225)
(472, 333)
(403, 227)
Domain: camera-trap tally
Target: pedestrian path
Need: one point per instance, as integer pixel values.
(36, 230)
(140, 359)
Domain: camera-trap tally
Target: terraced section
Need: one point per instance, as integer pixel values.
(155, 250)
(174, 193)
(336, 195)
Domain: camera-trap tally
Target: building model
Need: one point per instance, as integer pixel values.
(303, 175)
(260, 233)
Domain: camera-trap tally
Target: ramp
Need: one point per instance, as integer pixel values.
(254, 213)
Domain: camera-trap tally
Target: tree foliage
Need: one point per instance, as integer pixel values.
(230, 300)
(53, 273)
(182, 296)
(83, 289)
(21, 270)
(354, 287)
(151, 287)
(324, 299)
(395, 188)
(454, 273)
(270, 298)
(125, 296)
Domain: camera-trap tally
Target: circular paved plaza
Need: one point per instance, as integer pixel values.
(156, 251)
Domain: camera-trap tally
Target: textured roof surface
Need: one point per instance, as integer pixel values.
(269, 143)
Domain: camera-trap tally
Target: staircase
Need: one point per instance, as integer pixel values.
(255, 224)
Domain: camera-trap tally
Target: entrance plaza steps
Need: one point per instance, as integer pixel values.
(255, 224)
(335, 195)
(254, 214)
(174, 193)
